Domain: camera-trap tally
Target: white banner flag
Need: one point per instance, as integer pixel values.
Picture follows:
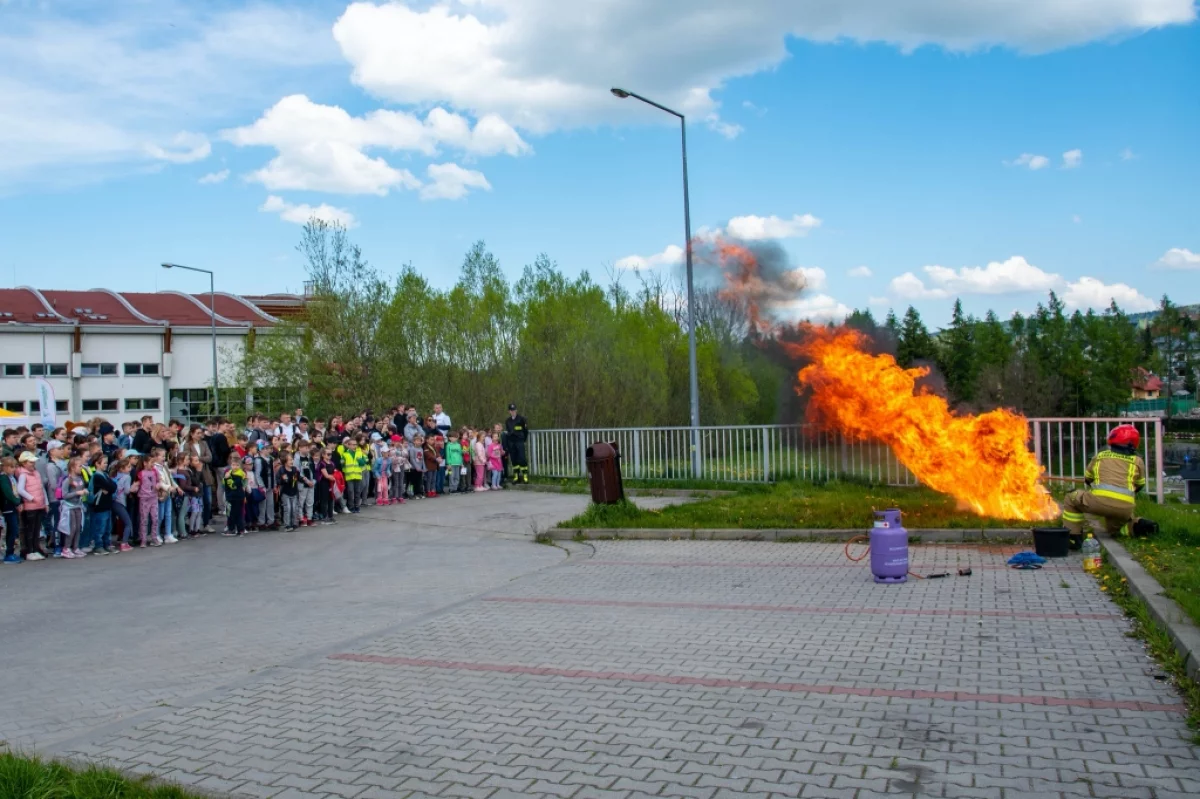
(46, 402)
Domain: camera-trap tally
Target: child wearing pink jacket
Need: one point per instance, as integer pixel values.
(494, 464)
(479, 459)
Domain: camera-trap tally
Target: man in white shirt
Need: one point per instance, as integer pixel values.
(440, 419)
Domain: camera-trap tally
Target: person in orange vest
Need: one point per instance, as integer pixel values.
(1114, 477)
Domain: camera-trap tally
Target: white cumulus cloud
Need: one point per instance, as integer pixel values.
(324, 148)
(300, 214)
(183, 148)
(814, 307)
(542, 64)
(672, 255)
(758, 228)
(998, 277)
(1032, 161)
(452, 182)
(1015, 276)
(815, 278)
(1179, 258)
(860, 271)
(1072, 159)
(1088, 292)
(215, 177)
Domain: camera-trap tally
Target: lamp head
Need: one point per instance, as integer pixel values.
(167, 266)
(619, 93)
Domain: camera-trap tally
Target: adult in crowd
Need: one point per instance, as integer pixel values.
(221, 447)
(197, 444)
(12, 441)
(517, 429)
(440, 419)
(141, 439)
(430, 429)
(412, 428)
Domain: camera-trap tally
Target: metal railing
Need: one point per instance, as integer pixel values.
(764, 453)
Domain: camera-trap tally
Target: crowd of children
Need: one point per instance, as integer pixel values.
(94, 490)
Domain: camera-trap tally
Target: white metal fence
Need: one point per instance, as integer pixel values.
(761, 453)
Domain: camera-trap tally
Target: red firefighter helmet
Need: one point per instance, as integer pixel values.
(1125, 435)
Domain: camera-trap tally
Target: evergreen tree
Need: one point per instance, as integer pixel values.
(957, 357)
(892, 323)
(863, 321)
(913, 341)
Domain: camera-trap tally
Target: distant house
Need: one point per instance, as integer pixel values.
(1145, 385)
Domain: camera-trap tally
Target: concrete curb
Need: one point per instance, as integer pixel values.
(1184, 633)
(632, 492)
(973, 536)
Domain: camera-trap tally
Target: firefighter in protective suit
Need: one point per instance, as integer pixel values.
(1114, 477)
(516, 431)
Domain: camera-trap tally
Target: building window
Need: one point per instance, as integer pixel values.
(151, 404)
(141, 369)
(35, 407)
(47, 370)
(98, 369)
(14, 370)
(93, 406)
(15, 407)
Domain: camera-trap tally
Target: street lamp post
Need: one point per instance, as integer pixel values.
(693, 380)
(212, 308)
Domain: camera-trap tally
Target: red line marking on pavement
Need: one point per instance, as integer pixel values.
(791, 687)
(720, 564)
(617, 603)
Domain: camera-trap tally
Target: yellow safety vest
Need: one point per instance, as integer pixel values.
(353, 464)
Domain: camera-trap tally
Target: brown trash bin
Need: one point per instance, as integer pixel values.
(604, 472)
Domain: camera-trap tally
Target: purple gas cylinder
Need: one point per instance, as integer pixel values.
(889, 547)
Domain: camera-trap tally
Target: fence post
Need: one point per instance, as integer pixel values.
(583, 452)
(1037, 442)
(1158, 460)
(637, 453)
(845, 446)
(766, 455)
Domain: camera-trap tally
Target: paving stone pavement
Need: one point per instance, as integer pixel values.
(91, 642)
(701, 669)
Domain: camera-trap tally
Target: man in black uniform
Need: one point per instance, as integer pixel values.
(517, 431)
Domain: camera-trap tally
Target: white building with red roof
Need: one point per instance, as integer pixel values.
(122, 355)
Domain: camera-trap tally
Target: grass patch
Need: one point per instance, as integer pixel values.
(1157, 640)
(792, 505)
(34, 778)
(1172, 556)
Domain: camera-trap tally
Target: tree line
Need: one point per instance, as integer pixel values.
(574, 353)
(1049, 363)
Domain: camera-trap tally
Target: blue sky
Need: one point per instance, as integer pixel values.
(991, 151)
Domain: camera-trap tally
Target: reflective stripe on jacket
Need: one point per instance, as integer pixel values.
(1116, 476)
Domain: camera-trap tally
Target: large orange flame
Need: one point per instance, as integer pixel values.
(983, 460)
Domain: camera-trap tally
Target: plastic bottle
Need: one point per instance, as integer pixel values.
(1091, 554)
